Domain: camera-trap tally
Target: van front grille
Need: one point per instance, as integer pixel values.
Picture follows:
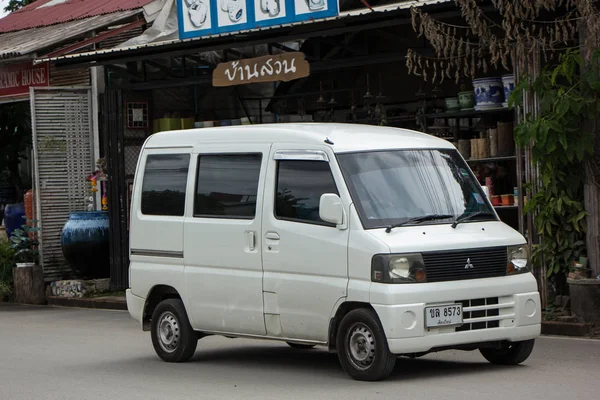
(485, 313)
(465, 264)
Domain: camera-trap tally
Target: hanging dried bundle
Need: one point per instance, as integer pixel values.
(483, 42)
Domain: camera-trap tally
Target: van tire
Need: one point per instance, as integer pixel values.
(513, 354)
(362, 346)
(300, 346)
(173, 338)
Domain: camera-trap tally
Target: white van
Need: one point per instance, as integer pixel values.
(375, 242)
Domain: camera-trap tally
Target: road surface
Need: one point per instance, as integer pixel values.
(63, 353)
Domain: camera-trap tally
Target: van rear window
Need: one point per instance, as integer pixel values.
(227, 185)
(165, 180)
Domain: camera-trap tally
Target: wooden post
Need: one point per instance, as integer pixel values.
(29, 285)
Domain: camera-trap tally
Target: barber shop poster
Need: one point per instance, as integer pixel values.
(210, 17)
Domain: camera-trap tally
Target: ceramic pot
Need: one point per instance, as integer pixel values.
(466, 100)
(25, 265)
(507, 199)
(85, 244)
(8, 195)
(452, 104)
(14, 218)
(508, 84)
(489, 93)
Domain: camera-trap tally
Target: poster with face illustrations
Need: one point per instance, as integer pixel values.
(232, 15)
(195, 18)
(315, 9)
(206, 17)
(267, 11)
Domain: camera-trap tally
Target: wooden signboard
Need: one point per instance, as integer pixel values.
(282, 67)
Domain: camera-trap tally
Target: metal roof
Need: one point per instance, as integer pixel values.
(39, 13)
(343, 16)
(20, 43)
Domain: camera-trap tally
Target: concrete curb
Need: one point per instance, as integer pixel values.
(106, 303)
(566, 328)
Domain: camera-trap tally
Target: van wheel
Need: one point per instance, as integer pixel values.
(173, 338)
(300, 346)
(362, 347)
(511, 354)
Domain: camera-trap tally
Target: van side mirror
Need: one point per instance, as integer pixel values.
(331, 209)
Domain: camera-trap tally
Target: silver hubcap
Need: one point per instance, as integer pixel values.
(168, 331)
(361, 346)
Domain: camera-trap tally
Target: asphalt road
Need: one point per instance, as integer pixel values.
(60, 353)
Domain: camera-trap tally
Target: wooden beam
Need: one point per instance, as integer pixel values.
(98, 38)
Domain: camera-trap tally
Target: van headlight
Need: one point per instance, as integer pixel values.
(398, 268)
(518, 260)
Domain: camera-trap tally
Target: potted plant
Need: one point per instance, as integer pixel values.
(28, 277)
(6, 263)
(24, 244)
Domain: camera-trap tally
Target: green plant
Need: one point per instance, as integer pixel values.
(568, 96)
(6, 264)
(24, 243)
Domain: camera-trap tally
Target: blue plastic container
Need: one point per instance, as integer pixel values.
(85, 244)
(14, 217)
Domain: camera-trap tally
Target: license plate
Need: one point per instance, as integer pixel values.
(439, 316)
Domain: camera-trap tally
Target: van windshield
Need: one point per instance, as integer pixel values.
(393, 187)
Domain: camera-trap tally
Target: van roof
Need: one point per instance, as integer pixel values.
(345, 137)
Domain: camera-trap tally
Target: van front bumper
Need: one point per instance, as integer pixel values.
(135, 305)
(494, 309)
(448, 340)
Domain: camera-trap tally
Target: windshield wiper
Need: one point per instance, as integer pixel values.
(467, 217)
(424, 218)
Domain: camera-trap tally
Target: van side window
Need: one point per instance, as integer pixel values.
(227, 185)
(300, 185)
(165, 180)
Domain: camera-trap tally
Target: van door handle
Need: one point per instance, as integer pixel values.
(251, 240)
(272, 236)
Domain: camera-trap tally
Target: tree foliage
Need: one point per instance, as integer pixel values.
(568, 96)
(14, 5)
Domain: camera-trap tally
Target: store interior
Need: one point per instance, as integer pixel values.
(358, 77)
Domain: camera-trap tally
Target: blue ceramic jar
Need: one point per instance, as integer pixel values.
(85, 244)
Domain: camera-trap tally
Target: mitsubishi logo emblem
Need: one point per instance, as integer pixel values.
(469, 265)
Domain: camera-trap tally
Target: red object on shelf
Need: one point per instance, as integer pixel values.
(28, 200)
(507, 199)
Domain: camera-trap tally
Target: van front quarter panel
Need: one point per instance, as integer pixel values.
(361, 248)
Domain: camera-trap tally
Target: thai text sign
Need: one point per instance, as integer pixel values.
(16, 79)
(283, 67)
(212, 17)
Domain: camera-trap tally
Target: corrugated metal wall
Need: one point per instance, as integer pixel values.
(120, 38)
(69, 77)
(63, 145)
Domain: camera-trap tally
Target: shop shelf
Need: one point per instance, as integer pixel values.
(474, 160)
(469, 113)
